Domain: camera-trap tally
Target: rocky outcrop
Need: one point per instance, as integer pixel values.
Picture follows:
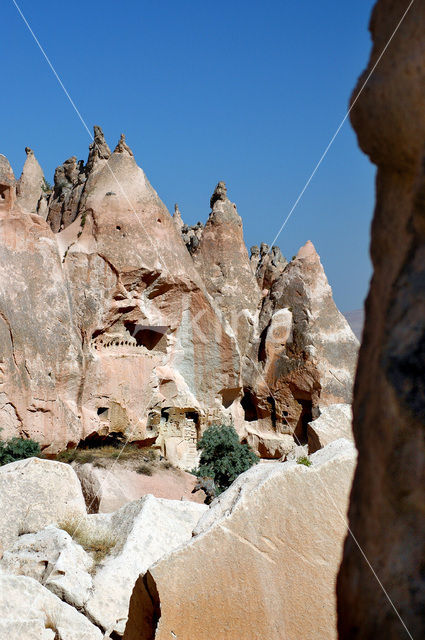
(263, 560)
(37, 614)
(109, 325)
(41, 348)
(109, 488)
(386, 511)
(306, 354)
(7, 186)
(146, 530)
(29, 188)
(267, 265)
(35, 493)
(223, 263)
(89, 561)
(334, 422)
(53, 558)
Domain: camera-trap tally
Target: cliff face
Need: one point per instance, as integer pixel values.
(387, 503)
(111, 325)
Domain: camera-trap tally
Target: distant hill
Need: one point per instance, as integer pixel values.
(356, 320)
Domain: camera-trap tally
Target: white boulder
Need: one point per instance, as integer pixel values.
(29, 611)
(35, 493)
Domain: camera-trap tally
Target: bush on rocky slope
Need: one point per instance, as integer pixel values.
(18, 449)
(223, 457)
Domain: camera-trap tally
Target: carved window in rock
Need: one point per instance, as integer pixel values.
(134, 338)
(103, 413)
(153, 338)
(4, 196)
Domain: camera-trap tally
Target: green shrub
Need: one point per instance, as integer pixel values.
(223, 457)
(18, 449)
(304, 460)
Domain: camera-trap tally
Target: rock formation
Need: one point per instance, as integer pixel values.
(306, 355)
(85, 563)
(109, 325)
(223, 263)
(262, 562)
(29, 188)
(387, 513)
(35, 493)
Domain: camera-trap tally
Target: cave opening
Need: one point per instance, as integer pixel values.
(148, 336)
(103, 412)
(272, 403)
(228, 396)
(249, 405)
(4, 195)
(306, 416)
(96, 441)
(193, 415)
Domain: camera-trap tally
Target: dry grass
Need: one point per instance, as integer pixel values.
(97, 543)
(144, 469)
(97, 455)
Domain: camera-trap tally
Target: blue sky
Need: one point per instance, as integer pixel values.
(242, 91)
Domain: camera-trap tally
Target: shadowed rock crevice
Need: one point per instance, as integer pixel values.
(145, 606)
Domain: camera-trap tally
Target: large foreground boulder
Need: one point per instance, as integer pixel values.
(35, 493)
(146, 530)
(387, 513)
(263, 562)
(53, 558)
(29, 611)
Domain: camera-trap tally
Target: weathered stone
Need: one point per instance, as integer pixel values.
(146, 530)
(7, 185)
(263, 560)
(223, 262)
(35, 493)
(269, 264)
(41, 351)
(334, 422)
(55, 560)
(157, 344)
(177, 217)
(307, 352)
(107, 489)
(29, 611)
(29, 188)
(387, 513)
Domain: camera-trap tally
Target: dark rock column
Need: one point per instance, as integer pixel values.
(387, 511)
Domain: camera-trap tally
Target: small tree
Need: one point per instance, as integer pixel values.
(223, 457)
(18, 449)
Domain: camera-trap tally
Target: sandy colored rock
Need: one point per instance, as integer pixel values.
(263, 560)
(223, 262)
(334, 422)
(146, 530)
(7, 186)
(306, 351)
(53, 558)
(29, 611)
(107, 489)
(387, 512)
(29, 188)
(109, 325)
(35, 493)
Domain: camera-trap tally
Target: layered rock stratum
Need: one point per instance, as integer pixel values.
(118, 320)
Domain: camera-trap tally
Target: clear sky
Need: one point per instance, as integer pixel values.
(243, 91)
